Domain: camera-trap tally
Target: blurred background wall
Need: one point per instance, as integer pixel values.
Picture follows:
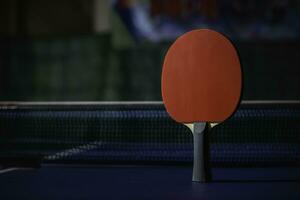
(112, 50)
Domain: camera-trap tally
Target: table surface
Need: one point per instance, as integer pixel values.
(148, 182)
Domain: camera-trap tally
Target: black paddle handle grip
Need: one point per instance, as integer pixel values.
(201, 171)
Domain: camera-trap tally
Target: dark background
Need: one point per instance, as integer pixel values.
(112, 50)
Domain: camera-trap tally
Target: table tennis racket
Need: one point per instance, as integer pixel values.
(201, 84)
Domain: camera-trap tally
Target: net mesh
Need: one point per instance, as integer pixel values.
(257, 135)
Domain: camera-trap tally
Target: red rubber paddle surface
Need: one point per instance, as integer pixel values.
(201, 78)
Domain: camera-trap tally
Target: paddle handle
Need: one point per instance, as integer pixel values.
(200, 153)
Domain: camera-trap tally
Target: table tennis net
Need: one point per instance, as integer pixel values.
(257, 135)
